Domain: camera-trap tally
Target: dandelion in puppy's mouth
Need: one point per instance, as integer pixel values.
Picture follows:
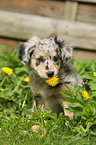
(53, 81)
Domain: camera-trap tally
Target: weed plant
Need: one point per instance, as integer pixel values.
(16, 119)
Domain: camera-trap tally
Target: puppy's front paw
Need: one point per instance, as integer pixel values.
(70, 115)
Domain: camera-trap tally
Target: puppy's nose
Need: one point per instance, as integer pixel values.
(50, 74)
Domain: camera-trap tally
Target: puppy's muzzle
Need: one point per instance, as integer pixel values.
(50, 74)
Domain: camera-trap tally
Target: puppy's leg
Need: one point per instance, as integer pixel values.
(66, 105)
(34, 105)
(37, 102)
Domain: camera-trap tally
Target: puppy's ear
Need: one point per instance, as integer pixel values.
(65, 49)
(27, 49)
(21, 52)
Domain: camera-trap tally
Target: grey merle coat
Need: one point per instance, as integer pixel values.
(46, 58)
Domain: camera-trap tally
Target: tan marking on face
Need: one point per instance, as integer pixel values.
(41, 53)
(41, 68)
(53, 53)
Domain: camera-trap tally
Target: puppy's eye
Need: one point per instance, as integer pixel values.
(55, 58)
(40, 59)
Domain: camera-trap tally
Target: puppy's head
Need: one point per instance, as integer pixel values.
(45, 56)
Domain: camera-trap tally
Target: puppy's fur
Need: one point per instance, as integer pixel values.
(46, 58)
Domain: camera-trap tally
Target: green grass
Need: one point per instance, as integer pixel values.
(16, 120)
(16, 130)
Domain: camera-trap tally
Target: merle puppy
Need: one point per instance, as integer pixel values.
(46, 58)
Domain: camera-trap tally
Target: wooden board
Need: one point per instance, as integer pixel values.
(21, 26)
(58, 9)
(38, 7)
(71, 9)
(86, 55)
(78, 34)
(86, 13)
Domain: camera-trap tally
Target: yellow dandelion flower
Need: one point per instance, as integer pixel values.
(85, 95)
(41, 136)
(7, 70)
(94, 74)
(26, 79)
(53, 81)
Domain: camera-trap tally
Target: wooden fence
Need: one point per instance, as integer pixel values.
(74, 21)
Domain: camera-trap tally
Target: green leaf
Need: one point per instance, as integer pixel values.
(80, 130)
(76, 105)
(66, 92)
(92, 133)
(89, 125)
(87, 111)
(94, 93)
(92, 85)
(79, 66)
(69, 110)
(68, 99)
(4, 47)
(20, 70)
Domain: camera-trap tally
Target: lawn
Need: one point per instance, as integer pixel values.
(17, 121)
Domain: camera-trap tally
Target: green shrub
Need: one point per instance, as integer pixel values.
(15, 94)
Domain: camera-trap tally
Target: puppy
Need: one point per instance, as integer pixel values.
(44, 59)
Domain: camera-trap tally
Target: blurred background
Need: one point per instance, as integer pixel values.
(73, 20)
